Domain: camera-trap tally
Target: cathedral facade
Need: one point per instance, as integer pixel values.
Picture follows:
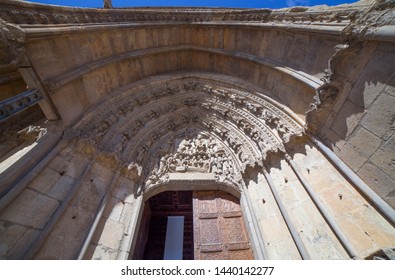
(269, 132)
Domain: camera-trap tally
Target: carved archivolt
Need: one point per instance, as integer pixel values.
(188, 125)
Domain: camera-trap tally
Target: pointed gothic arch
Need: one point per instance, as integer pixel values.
(143, 100)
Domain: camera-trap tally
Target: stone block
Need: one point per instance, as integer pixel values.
(59, 164)
(299, 50)
(325, 246)
(104, 253)
(40, 52)
(384, 158)
(61, 188)
(90, 202)
(112, 234)
(374, 231)
(358, 239)
(330, 119)
(278, 240)
(380, 119)
(67, 102)
(342, 97)
(282, 250)
(40, 207)
(65, 240)
(368, 74)
(352, 157)
(285, 94)
(65, 152)
(364, 142)
(129, 210)
(23, 243)
(365, 92)
(54, 251)
(45, 180)
(76, 166)
(324, 51)
(339, 200)
(100, 176)
(361, 145)
(114, 210)
(124, 190)
(332, 139)
(10, 233)
(380, 182)
(81, 49)
(348, 119)
(390, 87)
(315, 233)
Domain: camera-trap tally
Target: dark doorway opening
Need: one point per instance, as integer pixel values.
(156, 212)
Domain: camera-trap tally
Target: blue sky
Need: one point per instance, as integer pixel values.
(273, 4)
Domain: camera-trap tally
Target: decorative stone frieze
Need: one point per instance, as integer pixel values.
(188, 125)
(30, 13)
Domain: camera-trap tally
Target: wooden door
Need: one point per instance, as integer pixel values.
(219, 229)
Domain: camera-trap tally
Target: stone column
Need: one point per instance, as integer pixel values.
(128, 242)
(39, 241)
(323, 210)
(294, 233)
(253, 227)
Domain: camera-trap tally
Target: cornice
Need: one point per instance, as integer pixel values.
(20, 12)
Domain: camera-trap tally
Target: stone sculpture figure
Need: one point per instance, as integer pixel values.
(107, 4)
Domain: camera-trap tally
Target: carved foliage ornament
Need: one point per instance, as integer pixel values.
(134, 124)
(29, 13)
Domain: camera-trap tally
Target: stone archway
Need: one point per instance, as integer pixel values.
(133, 103)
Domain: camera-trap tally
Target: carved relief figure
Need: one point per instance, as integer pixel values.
(193, 154)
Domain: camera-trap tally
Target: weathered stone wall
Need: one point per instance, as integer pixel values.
(82, 70)
(73, 185)
(112, 232)
(278, 241)
(27, 216)
(360, 127)
(90, 66)
(366, 230)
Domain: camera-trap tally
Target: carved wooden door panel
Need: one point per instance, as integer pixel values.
(219, 229)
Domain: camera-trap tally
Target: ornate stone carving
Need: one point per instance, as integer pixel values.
(327, 93)
(121, 146)
(194, 153)
(324, 95)
(30, 13)
(12, 51)
(189, 126)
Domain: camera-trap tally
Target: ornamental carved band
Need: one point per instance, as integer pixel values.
(187, 125)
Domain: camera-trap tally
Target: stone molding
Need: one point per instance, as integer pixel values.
(62, 79)
(138, 128)
(31, 13)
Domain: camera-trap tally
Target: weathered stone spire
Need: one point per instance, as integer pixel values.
(107, 4)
